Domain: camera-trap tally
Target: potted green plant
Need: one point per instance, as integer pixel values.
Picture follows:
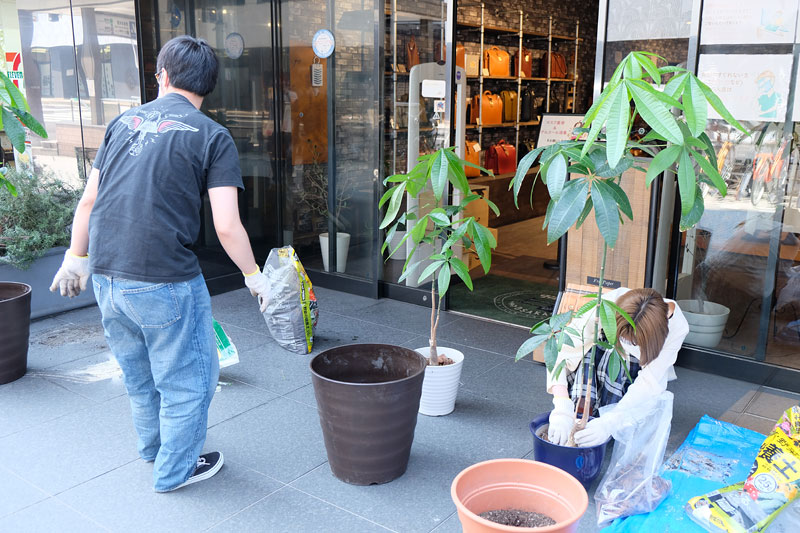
(598, 158)
(15, 297)
(440, 227)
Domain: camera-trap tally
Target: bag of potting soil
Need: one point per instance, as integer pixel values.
(292, 311)
(631, 484)
(773, 483)
(226, 350)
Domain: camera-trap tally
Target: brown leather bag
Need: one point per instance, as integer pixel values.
(558, 68)
(509, 105)
(497, 61)
(527, 63)
(412, 53)
(472, 153)
(502, 158)
(490, 107)
(461, 56)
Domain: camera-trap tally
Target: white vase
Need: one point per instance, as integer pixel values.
(706, 322)
(342, 246)
(440, 386)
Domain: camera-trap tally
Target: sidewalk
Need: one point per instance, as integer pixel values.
(69, 448)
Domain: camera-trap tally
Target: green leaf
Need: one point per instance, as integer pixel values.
(656, 114)
(621, 198)
(394, 204)
(8, 185)
(542, 327)
(439, 173)
(430, 269)
(456, 235)
(675, 85)
(567, 209)
(666, 98)
(694, 215)
(409, 269)
(608, 320)
(710, 171)
(556, 176)
(613, 367)
(687, 182)
(605, 96)
(444, 280)
(696, 107)
(456, 167)
(550, 353)
(439, 216)
(14, 130)
(529, 346)
(649, 66)
(492, 206)
(17, 99)
(558, 369)
(481, 246)
(718, 106)
(709, 148)
(461, 271)
(600, 115)
(557, 322)
(622, 312)
(662, 161)
(585, 213)
(652, 136)
(604, 171)
(606, 212)
(585, 308)
(617, 127)
(522, 172)
(418, 231)
(30, 121)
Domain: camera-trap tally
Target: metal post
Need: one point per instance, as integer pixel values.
(549, 61)
(575, 69)
(480, 83)
(519, 83)
(331, 81)
(394, 86)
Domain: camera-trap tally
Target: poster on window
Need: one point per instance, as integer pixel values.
(557, 127)
(630, 20)
(752, 87)
(762, 22)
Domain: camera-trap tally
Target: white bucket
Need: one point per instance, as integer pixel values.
(342, 246)
(440, 386)
(706, 326)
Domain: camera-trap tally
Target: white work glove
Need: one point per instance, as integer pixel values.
(259, 287)
(73, 275)
(596, 432)
(562, 419)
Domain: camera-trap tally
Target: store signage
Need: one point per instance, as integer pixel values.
(752, 87)
(762, 22)
(557, 127)
(14, 74)
(607, 283)
(116, 25)
(323, 44)
(434, 88)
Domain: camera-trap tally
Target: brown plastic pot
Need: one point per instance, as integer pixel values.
(518, 484)
(368, 398)
(15, 327)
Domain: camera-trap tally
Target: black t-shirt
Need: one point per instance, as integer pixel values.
(156, 163)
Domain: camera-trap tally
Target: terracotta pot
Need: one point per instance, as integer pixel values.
(368, 398)
(518, 484)
(15, 326)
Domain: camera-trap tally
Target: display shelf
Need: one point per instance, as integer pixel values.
(514, 31)
(389, 73)
(530, 123)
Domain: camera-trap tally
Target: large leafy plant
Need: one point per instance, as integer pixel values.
(676, 111)
(14, 114)
(437, 224)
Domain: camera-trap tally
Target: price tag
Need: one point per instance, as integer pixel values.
(476, 147)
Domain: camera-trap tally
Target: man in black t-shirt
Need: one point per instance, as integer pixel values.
(132, 230)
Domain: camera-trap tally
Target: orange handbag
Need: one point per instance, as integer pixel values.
(502, 158)
(558, 67)
(461, 56)
(490, 107)
(509, 105)
(527, 63)
(412, 53)
(472, 153)
(497, 62)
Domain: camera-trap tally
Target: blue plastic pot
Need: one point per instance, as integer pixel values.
(583, 463)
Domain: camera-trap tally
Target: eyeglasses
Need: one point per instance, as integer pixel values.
(158, 75)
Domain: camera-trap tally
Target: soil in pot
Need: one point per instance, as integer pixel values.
(515, 517)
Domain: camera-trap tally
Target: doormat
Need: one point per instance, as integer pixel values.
(505, 299)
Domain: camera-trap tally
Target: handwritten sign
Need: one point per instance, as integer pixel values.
(557, 127)
(762, 22)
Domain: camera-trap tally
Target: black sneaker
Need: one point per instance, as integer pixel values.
(208, 464)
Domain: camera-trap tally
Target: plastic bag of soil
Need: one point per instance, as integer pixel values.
(631, 484)
(750, 506)
(292, 311)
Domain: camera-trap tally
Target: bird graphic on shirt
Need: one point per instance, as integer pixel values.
(151, 122)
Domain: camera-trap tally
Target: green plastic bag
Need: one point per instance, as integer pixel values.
(226, 350)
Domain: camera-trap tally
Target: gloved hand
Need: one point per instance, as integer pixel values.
(562, 419)
(596, 432)
(73, 275)
(259, 287)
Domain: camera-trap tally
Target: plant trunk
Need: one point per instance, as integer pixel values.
(433, 360)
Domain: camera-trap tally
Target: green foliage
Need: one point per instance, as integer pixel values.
(38, 219)
(14, 114)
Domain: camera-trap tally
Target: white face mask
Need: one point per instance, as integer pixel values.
(630, 349)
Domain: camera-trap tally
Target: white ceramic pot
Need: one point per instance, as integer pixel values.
(342, 246)
(440, 386)
(706, 322)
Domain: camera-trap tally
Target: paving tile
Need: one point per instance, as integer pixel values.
(30, 401)
(484, 335)
(478, 429)
(55, 346)
(41, 325)
(450, 525)
(401, 315)
(335, 330)
(85, 315)
(48, 516)
(123, 499)
(97, 377)
(519, 384)
(741, 404)
(341, 303)
(245, 339)
(756, 423)
(304, 395)
(17, 493)
(417, 501)
(292, 511)
(281, 439)
(771, 403)
(270, 367)
(234, 398)
(64, 452)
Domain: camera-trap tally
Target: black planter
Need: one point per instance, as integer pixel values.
(15, 327)
(368, 398)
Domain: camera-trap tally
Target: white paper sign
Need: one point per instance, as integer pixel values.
(434, 88)
(555, 128)
(630, 20)
(748, 22)
(752, 87)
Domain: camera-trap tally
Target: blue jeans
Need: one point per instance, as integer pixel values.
(163, 339)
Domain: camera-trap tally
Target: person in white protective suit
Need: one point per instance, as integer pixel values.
(650, 351)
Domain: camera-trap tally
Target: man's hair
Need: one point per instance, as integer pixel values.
(190, 63)
(648, 310)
